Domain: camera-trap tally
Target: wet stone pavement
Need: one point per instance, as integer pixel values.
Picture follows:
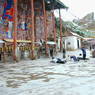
(40, 77)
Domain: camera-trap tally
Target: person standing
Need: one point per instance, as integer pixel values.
(64, 53)
(39, 51)
(84, 53)
(51, 52)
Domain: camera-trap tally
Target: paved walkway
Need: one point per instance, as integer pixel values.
(40, 77)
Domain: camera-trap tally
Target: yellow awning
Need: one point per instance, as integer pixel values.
(18, 41)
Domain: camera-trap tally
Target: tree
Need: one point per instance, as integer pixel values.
(57, 22)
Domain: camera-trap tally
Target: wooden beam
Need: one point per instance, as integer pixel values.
(15, 31)
(54, 27)
(45, 27)
(60, 29)
(32, 30)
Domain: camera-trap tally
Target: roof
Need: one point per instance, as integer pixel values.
(77, 29)
(56, 4)
(59, 4)
(90, 41)
(66, 34)
(75, 34)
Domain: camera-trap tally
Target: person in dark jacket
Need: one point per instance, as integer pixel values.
(74, 58)
(51, 52)
(64, 53)
(84, 53)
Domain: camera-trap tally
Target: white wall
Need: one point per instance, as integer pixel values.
(71, 42)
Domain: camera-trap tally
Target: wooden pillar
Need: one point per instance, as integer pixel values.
(4, 53)
(15, 31)
(54, 27)
(32, 30)
(53, 20)
(35, 33)
(45, 27)
(60, 30)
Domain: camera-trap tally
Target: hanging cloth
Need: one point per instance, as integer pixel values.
(8, 10)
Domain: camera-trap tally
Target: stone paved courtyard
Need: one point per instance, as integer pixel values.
(40, 77)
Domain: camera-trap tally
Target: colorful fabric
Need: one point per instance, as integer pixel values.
(8, 10)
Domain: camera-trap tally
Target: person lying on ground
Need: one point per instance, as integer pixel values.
(58, 60)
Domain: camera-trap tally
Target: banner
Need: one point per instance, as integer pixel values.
(8, 10)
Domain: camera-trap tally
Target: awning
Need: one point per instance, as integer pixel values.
(51, 43)
(21, 41)
(18, 41)
(90, 41)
